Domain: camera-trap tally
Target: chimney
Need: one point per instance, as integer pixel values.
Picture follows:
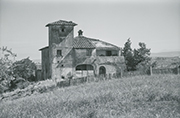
(80, 33)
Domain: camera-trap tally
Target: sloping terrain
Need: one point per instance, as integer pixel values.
(156, 96)
(166, 54)
(166, 62)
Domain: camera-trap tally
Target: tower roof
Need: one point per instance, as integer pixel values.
(61, 22)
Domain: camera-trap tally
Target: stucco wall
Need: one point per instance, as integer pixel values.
(110, 69)
(81, 55)
(57, 36)
(61, 72)
(59, 40)
(63, 67)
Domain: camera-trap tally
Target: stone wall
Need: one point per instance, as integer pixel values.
(64, 66)
(110, 69)
(56, 35)
(81, 56)
(60, 40)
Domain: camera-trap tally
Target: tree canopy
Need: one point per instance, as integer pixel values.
(137, 57)
(6, 60)
(24, 68)
(13, 72)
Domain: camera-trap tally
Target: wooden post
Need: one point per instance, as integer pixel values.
(69, 81)
(150, 69)
(103, 77)
(121, 74)
(178, 70)
(109, 76)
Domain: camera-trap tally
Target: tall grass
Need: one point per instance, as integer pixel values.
(156, 96)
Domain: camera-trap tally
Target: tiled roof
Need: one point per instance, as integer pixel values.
(102, 45)
(61, 22)
(82, 42)
(108, 48)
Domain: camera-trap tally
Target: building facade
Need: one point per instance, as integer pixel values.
(68, 56)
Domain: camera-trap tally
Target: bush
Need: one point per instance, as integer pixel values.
(24, 68)
(18, 83)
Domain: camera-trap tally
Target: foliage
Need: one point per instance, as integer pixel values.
(137, 97)
(19, 83)
(24, 68)
(10, 69)
(6, 60)
(128, 55)
(5, 63)
(137, 58)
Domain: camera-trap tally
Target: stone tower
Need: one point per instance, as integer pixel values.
(59, 30)
(61, 34)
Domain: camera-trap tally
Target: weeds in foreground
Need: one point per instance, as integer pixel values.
(155, 96)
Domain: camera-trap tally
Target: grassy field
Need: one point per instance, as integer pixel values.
(156, 96)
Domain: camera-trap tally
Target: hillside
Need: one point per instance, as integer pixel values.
(166, 62)
(155, 96)
(166, 54)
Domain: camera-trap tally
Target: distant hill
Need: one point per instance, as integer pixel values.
(166, 62)
(166, 54)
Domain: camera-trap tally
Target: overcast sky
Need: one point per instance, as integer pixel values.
(154, 22)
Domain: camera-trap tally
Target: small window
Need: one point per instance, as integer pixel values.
(59, 53)
(108, 53)
(63, 29)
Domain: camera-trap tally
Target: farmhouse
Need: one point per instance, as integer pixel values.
(68, 56)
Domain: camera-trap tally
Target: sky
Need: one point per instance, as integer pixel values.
(154, 22)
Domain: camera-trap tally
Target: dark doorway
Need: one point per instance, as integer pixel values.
(84, 70)
(102, 70)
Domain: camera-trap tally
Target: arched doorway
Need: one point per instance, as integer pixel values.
(84, 70)
(102, 70)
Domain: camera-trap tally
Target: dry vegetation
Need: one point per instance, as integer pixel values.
(156, 96)
(166, 62)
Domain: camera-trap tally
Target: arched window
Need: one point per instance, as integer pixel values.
(102, 70)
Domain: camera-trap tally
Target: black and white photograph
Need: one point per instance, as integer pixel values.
(89, 58)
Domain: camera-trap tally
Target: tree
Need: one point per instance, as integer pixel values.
(138, 58)
(142, 54)
(128, 55)
(6, 60)
(24, 68)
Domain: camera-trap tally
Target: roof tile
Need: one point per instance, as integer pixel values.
(82, 42)
(61, 22)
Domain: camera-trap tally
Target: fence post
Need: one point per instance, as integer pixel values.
(87, 79)
(150, 69)
(178, 70)
(69, 82)
(121, 74)
(109, 76)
